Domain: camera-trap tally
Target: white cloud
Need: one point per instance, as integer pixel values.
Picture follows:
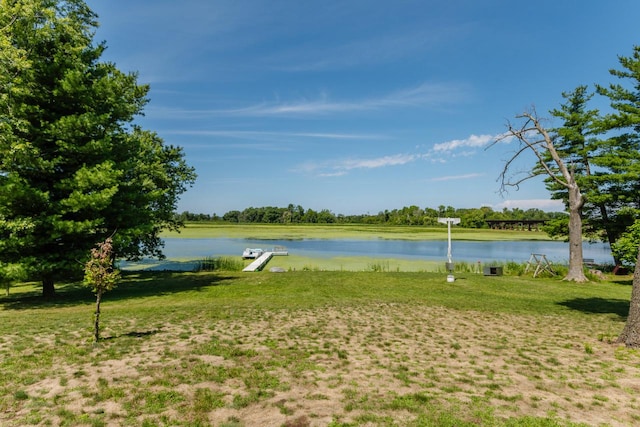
(395, 160)
(320, 106)
(474, 141)
(424, 95)
(259, 135)
(342, 167)
(261, 140)
(458, 177)
(453, 148)
(332, 174)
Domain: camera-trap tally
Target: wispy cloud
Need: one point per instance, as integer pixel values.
(355, 53)
(244, 134)
(332, 174)
(458, 177)
(439, 153)
(426, 95)
(395, 160)
(343, 166)
(473, 141)
(262, 140)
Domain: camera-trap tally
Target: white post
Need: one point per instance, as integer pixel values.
(449, 239)
(449, 221)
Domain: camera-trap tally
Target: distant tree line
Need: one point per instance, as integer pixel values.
(409, 215)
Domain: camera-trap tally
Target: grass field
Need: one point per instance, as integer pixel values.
(310, 348)
(346, 231)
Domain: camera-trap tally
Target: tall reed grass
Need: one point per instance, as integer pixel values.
(219, 264)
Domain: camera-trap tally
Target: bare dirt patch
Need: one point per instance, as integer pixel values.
(367, 365)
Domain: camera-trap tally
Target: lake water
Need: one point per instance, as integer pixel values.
(468, 251)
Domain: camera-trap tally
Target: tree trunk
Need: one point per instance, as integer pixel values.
(48, 289)
(631, 333)
(96, 319)
(576, 269)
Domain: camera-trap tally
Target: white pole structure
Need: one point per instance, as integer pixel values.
(449, 221)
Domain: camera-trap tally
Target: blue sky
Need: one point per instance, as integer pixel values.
(357, 106)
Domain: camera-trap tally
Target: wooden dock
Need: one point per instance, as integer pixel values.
(259, 263)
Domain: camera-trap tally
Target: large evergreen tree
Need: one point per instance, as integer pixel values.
(604, 152)
(74, 169)
(622, 185)
(574, 140)
(575, 143)
(630, 335)
(618, 159)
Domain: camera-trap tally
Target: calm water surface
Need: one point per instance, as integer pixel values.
(519, 251)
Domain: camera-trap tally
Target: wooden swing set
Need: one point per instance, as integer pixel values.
(541, 263)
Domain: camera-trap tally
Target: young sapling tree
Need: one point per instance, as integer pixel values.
(101, 276)
(10, 273)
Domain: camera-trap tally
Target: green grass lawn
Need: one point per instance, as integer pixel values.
(346, 231)
(310, 348)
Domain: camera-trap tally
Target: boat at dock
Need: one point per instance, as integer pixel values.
(252, 253)
(261, 257)
(256, 253)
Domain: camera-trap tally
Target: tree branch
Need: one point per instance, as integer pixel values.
(523, 134)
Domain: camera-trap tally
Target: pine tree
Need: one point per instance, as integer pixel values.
(73, 166)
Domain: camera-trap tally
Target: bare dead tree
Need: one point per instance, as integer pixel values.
(534, 137)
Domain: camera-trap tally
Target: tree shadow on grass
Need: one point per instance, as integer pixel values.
(623, 282)
(137, 284)
(594, 305)
(133, 334)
